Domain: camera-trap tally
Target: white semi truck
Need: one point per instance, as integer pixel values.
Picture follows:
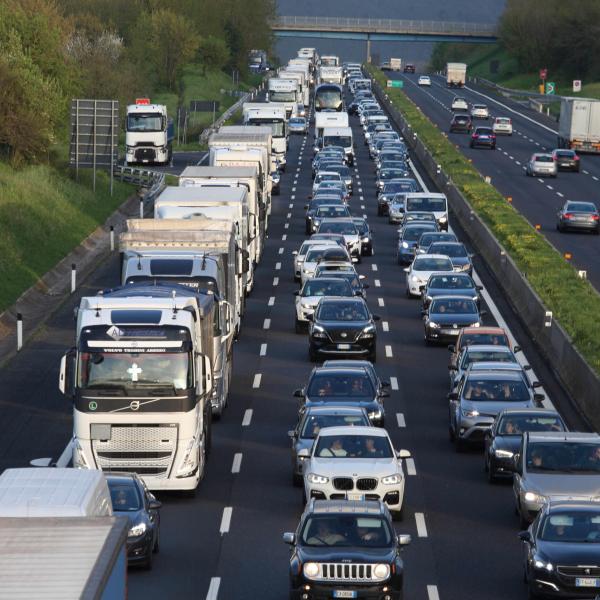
(148, 134)
(286, 91)
(141, 377)
(300, 76)
(272, 115)
(330, 119)
(331, 75)
(579, 124)
(456, 74)
(305, 66)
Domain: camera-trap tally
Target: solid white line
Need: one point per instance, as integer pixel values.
(247, 417)
(394, 383)
(271, 301)
(380, 301)
(67, 454)
(213, 589)
(377, 283)
(263, 350)
(237, 462)
(374, 267)
(385, 325)
(388, 351)
(421, 527)
(275, 281)
(417, 175)
(256, 382)
(281, 250)
(432, 592)
(411, 469)
(267, 324)
(401, 420)
(226, 520)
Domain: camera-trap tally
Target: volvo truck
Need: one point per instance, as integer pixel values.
(579, 124)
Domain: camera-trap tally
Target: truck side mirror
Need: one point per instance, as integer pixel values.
(66, 380)
(245, 262)
(206, 375)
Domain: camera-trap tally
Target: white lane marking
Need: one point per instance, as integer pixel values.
(385, 326)
(237, 462)
(280, 250)
(286, 226)
(271, 301)
(278, 266)
(67, 454)
(364, 216)
(388, 351)
(432, 592)
(377, 283)
(267, 324)
(289, 216)
(226, 520)
(292, 197)
(374, 267)
(411, 469)
(275, 281)
(505, 153)
(594, 178)
(362, 198)
(291, 206)
(518, 162)
(360, 189)
(559, 194)
(421, 527)
(401, 420)
(213, 588)
(263, 350)
(257, 380)
(293, 189)
(541, 180)
(586, 172)
(549, 187)
(394, 383)
(380, 301)
(284, 237)
(247, 417)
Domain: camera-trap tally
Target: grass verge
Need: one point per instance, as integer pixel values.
(573, 301)
(43, 216)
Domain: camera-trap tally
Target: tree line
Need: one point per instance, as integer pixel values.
(52, 51)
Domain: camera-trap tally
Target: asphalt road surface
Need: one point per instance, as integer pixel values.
(537, 198)
(226, 542)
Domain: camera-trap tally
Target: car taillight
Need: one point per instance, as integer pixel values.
(576, 157)
(475, 136)
(595, 217)
(568, 215)
(493, 136)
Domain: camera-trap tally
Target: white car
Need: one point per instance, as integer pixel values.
(503, 126)
(459, 103)
(311, 260)
(347, 228)
(424, 80)
(422, 268)
(480, 111)
(351, 462)
(299, 255)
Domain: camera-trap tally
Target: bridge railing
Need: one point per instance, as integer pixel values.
(384, 25)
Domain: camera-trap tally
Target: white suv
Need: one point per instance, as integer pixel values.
(502, 125)
(355, 463)
(480, 111)
(459, 103)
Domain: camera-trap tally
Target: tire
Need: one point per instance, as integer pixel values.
(459, 445)
(156, 547)
(491, 477)
(312, 356)
(297, 480)
(298, 327)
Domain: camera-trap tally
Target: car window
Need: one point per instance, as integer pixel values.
(543, 158)
(326, 288)
(355, 386)
(346, 530)
(453, 250)
(581, 207)
(314, 255)
(451, 282)
(432, 264)
(571, 527)
(345, 228)
(453, 306)
(125, 496)
(412, 234)
(353, 446)
(495, 390)
(488, 355)
(313, 423)
(580, 457)
(426, 204)
(498, 339)
(343, 311)
(519, 424)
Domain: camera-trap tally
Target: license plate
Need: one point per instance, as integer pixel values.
(484, 137)
(343, 346)
(355, 497)
(345, 594)
(587, 582)
(451, 331)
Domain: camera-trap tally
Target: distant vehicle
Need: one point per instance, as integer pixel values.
(395, 64)
(567, 160)
(298, 125)
(456, 75)
(502, 126)
(424, 80)
(447, 315)
(149, 134)
(301, 110)
(480, 111)
(461, 123)
(579, 124)
(459, 103)
(421, 269)
(582, 216)
(409, 68)
(543, 165)
(483, 136)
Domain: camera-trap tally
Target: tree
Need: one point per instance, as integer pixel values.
(213, 53)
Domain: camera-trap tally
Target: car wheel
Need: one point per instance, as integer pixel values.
(297, 480)
(156, 548)
(312, 356)
(298, 326)
(459, 444)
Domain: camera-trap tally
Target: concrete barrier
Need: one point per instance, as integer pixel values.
(553, 342)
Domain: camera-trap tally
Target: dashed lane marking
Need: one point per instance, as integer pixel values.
(247, 417)
(263, 350)
(237, 462)
(411, 469)
(388, 351)
(271, 301)
(421, 527)
(380, 301)
(213, 588)
(226, 520)
(385, 326)
(432, 592)
(267, 324)
(275, 281)
(394, 383)
(374, 267)
(257, 380)
(401, 420)
(377, 283)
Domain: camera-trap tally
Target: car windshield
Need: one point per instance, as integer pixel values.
(429, 238)
(313, 423)
(452, 282)
(324, 270)
(341, 385)
(347, 531)
(519, 424)
(337, 140)
(581, 207)
(344, 228)
(571, 527)
(320, 287)
(314, 254)
(391, 173)
(297, 121)
(412, 234)
(564, 456)
(396, 187)
(361, 226)
(420, 216)
(333, 211)
(453, 306)
(484, 131)
(353, 446)
(426, 204)
(503, 121)
(565, 153)
(125, 496)
(474, 356)
(432, 264)
(496, 339)
(349, 276)
(543, 158)
(343, 311)
(496, 390)
(327, 177)
(453, 250)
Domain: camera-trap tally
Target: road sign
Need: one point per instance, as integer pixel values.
(550, 88)
(395, 83)
(543, 73)
(577, 85)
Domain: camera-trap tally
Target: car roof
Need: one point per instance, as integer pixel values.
(562, 436)
(452, 297)
(112, 477)
(496, 374)
(577, 505)
(355, 300)
(334, 409)
(348, 369)
(487, 348)
(431, 256)
(484, 330)
(371, 507)
(364, 430)
(529, 411)
(349, 363)
(493, 365)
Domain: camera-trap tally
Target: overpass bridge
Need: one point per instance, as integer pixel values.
(383, 29)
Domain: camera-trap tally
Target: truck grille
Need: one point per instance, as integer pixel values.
(343, 483)
(366, 483)
(142, 449)
(342, 572)
(142, 154)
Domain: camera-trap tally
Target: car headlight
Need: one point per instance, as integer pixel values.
(317, 479)
(79, 459)
(137, 530)
(374, 414)
(540, 563)
(470, 413)
(188, 465)
(381, 571)
(368, 332)
(442, 219)
(405, 244)
(503, 453)
(428, 298)
(311, 569)
(365, 240)
(414, 278)
(392, 479)
(433, 325)
(533, 497)
(474, 324)
(319, 332)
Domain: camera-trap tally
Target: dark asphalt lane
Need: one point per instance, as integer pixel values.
(471, 550)
(538, 199)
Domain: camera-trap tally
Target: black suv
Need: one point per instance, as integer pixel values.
(346, 549)
(461, 123)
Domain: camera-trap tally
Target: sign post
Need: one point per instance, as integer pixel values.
(577, 85)
(550, 88)
(543, 76)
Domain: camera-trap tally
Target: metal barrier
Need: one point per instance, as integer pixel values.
(150, 183)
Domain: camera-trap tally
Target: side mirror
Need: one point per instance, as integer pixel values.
(385, 384)
(376, 318)
(452, 396)
(289, 538)
(304, 453)
(384, 394)
(539, 398)
(306, 206)
(299, 393)
(514, 466)
(361, 277)
(404, 539)
(309, 197)
(526, 367)
(295, 253)
(482, 313)
(245, 262)
(206, 374)
(423, 312)
(536, 384)
(422, 287)
(451, 348)
(310, 318)
(66, 379)
(479, 288)
(366, 286)
(403, 454)
(406, 269)
(452, 368)
(292, 433)
(517, 349)
(525, 536)
(154, 504)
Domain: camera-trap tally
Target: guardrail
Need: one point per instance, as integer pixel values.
(384, 26)
(510, 93)
(151, 183)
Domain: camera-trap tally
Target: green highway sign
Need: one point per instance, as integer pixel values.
(395, 83)
(550, 88)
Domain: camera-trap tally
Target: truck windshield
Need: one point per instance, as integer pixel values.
(277, 127)
(328, 98)
(145, 122)
(97, 370)
(276, 96)
(337, 140)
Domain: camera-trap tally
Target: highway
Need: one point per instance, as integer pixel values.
(538, 199)
(225, 543)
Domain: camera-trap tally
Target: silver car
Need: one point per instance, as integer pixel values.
(557, 466)
(297, 125)
(476, 354)
(542, 165)
(311, 421)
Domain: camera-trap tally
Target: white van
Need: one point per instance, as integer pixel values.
(429, 202)
(54, 492)
(340, 136)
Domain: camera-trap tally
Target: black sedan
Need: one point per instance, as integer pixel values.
(447, 315)
(560, 550)
(344, 386)
(131, 498)
(315, 203)
(366, 235)
(583, 216)
(461, 123)
(567, 160)
(503, 439)
(444, 284)
(386, 175)
(483, 136)
(343, 327)
(409, 236)
(461, 259)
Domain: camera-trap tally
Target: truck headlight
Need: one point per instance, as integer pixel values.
(188, 465)
(392, 479)
(381, 571)
(79, 460)
(317, 479)
(137, 530)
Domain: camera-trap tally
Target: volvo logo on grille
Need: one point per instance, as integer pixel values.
(587, 570)
(135, 405)
(455, 325)
(344, 334)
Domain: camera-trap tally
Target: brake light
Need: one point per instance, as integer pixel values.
(576, 157)
(475, 136)
(568, 215)
(595, 217)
